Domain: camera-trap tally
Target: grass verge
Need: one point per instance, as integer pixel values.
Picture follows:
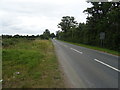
(96, 48)
(30, 64)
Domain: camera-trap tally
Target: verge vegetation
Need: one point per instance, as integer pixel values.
(30, 64)
(96, 48)
(101, 28)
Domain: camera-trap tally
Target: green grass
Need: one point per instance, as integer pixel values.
(35, 61)
(96, 48)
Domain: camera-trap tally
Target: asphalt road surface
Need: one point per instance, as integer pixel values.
(87, 68)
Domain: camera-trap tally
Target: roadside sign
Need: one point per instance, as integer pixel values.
(102, 35)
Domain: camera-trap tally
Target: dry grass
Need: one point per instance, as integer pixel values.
(31, 64)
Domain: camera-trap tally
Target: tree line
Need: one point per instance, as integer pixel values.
(101, 28)
(46, 35)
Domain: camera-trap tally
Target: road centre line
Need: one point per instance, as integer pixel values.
(107, 65)
(76, 50)
(95, 59)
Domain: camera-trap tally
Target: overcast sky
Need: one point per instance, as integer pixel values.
(34, 16)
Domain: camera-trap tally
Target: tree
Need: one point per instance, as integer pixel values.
(46, 34)
(102, 17)
(52, 35)
(16, 36)
(67, 26)
(66, 23)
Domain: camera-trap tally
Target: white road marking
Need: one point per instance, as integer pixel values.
(76, 50)
(107, 65)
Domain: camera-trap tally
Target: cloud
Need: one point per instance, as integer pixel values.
(34, 16)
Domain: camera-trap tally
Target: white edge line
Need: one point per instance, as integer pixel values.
(107, 65)
(76, 50)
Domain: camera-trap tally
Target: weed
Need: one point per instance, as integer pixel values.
(30, 64)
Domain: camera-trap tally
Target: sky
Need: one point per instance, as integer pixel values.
(32, 17)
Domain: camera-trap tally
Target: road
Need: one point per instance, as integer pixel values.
(87, 68)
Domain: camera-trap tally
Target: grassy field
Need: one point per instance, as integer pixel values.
(30, 64)
(97, 48)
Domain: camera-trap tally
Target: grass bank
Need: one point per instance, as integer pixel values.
(96, 48)
(30, 64)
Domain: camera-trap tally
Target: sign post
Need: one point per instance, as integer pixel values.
(102, 37)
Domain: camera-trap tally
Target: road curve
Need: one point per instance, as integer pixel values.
(87, 68)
